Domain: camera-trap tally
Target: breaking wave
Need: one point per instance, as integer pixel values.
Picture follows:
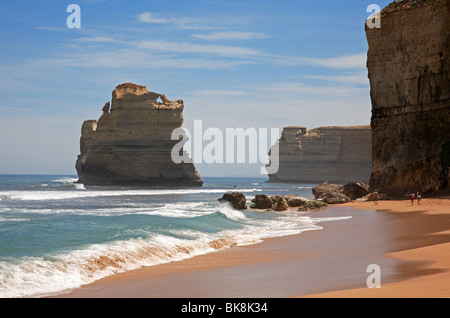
(62, 195)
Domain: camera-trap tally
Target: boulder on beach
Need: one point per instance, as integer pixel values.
(330, 193)
(281, 204)
(262, 201)
(372, 196)
(295, 200)
(355, 190)
(236, 199)
(310, 205)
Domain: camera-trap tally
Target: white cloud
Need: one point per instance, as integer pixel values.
(347, 61)
(230, 35)
(148, 17)
(184, 47)
(356, 79)
(179, 22)
(54, 29)
(99, 39)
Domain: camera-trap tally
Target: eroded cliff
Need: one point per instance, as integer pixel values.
(408, 64)
(131, 142)
(336, 154)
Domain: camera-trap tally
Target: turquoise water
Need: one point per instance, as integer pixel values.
(56, 235)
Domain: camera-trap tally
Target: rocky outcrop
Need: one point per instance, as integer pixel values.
(333, 193)
(262, 201)
(131, 142)
(281, 203)
(355, 190)
(337, 154)
(409, 72)
(330, 193)
(311, 205)
(236, 200)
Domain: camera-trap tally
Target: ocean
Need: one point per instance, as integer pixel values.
(57, 235)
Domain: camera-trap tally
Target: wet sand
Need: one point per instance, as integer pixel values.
(424, 250)
(411, 244)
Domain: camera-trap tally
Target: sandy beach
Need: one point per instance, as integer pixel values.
(425, 252)
(410, 244)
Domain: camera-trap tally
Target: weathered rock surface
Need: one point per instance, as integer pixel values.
(131, 142)
(295, 200)
(332, 193)
(312, 205)
(372, 196)
(280, 203)
(262, 201)
(236, 199)
(337, 154)
(284, 202)
(355, 190)
(409, 72)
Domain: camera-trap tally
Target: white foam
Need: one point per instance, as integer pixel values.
(329, 219)
(62, 195)
(65, 180)
(231, 213)
(2, 219)
(35, 277)
(79, 186)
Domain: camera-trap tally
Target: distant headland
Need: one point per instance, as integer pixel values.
(336, 154)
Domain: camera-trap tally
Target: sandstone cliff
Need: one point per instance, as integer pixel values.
(408, 64)
(131, 142)
(336, 154)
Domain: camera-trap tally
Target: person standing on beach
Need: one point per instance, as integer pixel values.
(375, 198)
(419, 197)
(412, 196)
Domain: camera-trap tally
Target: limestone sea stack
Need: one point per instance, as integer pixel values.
(335, 154)
(131, 142)
(409, 72)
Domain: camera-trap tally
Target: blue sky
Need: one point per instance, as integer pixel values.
(261, 64)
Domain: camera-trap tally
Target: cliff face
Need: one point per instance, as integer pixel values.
(336, 154)
(408, 63)
(131, 142)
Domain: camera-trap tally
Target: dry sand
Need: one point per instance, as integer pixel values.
(411, 244)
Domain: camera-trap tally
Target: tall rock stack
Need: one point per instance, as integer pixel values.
(408, 63)
(334, 154)
(131, 142)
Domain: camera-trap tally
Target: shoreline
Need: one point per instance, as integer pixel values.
(410, 244)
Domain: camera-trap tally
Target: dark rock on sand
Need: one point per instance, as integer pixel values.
(295, 200)
(284, 202)
(280, 204)
(330, 193)
(312, 205)
(236, 199)
(262, 201)
(355, 190)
